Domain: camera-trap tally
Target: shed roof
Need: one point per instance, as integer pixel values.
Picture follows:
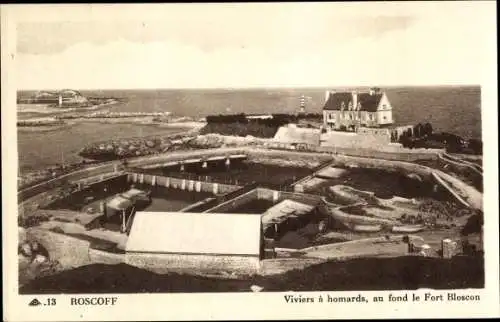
(286, 208)
(119, 203)
(195, 233)
(133, 193)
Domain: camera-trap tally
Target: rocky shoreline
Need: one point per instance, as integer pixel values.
(126, 148)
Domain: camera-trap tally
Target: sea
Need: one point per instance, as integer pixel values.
(455, 109)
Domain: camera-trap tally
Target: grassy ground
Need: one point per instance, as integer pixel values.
(240, 129)
(358, 274)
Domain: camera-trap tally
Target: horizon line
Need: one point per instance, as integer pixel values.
(250, 87)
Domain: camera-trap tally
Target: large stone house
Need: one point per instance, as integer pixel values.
(350, 110)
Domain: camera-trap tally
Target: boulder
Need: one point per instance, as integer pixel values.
(21, 235)
(39, 259)
(25, 249)
(256, 288)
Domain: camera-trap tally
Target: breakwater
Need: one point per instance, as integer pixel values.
(108, 114)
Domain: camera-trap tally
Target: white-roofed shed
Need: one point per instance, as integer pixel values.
(200, 241)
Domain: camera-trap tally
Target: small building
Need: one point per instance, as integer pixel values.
(348, 111)
(293, 135)
(200, 242)
(121, 207)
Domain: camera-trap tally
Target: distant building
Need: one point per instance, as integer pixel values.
(349, 111)
(65, 97)
(213, 243)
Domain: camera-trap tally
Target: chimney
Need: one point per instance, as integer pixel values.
(374, 90)
(354, 100)
(327, 95)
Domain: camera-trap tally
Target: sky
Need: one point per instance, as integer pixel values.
(253, 45)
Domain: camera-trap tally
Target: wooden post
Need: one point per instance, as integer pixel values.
(123, 221)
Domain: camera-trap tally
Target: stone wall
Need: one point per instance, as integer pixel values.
(109, 167)
(468, 193)
(99, 256)
(162, 263)
(182, 184)
(70, 252)
(364, 138)
(234, 203)
(179, 156)
(29, 192)
(267, 194)
(388, 152)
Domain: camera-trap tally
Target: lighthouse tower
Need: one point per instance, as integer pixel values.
(302, 105)
(60, 100)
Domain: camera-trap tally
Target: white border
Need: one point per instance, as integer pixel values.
(223, 306)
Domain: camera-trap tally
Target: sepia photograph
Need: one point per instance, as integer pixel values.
(250, 148)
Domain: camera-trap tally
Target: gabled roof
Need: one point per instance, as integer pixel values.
(335, 100)
(195, 233)
(369, 102)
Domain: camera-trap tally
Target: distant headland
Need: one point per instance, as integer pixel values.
(66, 98)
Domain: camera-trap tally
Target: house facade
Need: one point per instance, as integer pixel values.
(348, 111)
